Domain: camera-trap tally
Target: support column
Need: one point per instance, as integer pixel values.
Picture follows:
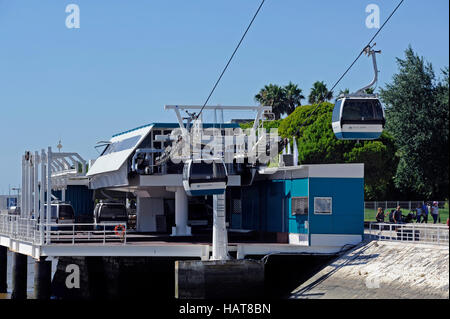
(49, 192)
(3, 269)
(42, 189)
(30, 186)
(36, 185)
(220, 237)
(42, 279)
(22, 192)
(19, 276)
(181, 214)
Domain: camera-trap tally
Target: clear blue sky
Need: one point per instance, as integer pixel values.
(129, 58)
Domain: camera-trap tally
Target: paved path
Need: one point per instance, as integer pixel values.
(382, 270)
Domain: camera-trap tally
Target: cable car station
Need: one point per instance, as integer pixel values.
(220, 208)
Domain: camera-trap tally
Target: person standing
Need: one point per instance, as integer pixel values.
(398, 215)
(418, 213)
(435, 212)
(425, 213)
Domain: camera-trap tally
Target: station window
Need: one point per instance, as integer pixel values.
(323, 205)
(237, 206)
(299, 206)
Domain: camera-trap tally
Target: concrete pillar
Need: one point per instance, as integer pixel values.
(42, 188)
(3, 269)
(19, 276)
(22, 188)
(36, 185)
(220, 238)
(42, 279)
(181, 214)
(49, 192)
(219, 279)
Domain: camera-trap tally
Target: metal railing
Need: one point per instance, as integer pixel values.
(23, 229)
(29, 230)
(410, 205)
(416, 233)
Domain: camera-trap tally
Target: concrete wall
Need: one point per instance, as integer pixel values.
(147, 209)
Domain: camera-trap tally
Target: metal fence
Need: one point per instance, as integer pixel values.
(410, 205)
(416, 233)
(370, 209)
(29, 230)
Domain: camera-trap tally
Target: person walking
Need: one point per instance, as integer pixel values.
(380, 215)
(435, 212)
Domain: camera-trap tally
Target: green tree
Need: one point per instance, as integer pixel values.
(272, 95)
(344, 91)
(417, 114)
(319, 92)
(347, 91)
(318, 145)
(293, 96)
(283, 100)
(369, 90)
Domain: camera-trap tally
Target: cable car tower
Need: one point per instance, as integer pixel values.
(205, 174)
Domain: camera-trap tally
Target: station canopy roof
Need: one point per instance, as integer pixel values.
(125, 143)
(116, 153)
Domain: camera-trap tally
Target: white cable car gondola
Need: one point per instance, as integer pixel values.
(359, 116)
(201, 177)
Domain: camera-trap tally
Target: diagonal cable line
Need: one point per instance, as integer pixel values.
(231, 58)
(351, 65)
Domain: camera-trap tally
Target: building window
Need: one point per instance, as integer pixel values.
(237, 206)
(299, 206)
(323, 205)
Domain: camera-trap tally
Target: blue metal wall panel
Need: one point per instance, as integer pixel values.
(250, 208)
(80, 197)
(262, 206)
(266, 206)
(347, 205)
(274, 192)
(296, 188)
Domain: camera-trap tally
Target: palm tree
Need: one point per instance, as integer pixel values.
(272, 95)
(345, 92)
(319, 92)
(293, 96)
(369, 90)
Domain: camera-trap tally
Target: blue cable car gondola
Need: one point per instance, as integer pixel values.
(201, 177)
(359, 116)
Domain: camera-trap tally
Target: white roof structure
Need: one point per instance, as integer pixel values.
(351, 170)
(117, 153)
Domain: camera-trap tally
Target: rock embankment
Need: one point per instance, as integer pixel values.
(385, 270)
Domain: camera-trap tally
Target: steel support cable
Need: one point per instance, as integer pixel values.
(231, 58)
